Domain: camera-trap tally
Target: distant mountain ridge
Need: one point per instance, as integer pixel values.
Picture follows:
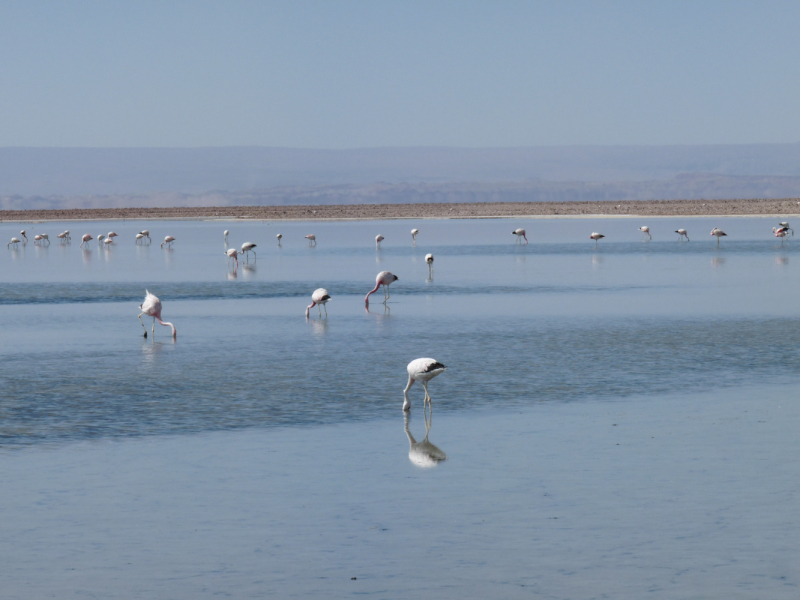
(682, 187)
(87, 172)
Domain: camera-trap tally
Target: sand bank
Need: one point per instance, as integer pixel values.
(647, 208)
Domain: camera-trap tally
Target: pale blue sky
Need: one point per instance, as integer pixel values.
(370, 73)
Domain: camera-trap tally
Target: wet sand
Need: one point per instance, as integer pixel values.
(777, 207)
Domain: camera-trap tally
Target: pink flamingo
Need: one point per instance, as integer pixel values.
(232, 254)
(422, 370)
(718, 233)
(596, 236)
(319, 297)
(312, 239)
(520, 233)
(22, 233)
(85, 239)
(385, 279)
(645, 231)
(152, 308)
(780, 233)
(378, 239)
(168, 241)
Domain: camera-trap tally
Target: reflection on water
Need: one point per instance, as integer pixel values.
(248, 270)
(717, 261)
(423, 453)
(781, 260)
(318, 326)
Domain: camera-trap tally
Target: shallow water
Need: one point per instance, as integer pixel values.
(116, 450)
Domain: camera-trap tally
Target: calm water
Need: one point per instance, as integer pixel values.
(263, 453)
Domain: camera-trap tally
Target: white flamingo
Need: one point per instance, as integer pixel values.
(645, 231)
(46, 238)
(22, 233)
(385, 279)
(111, 235)
(429, 260)
(378, 239)
(36, 239)
(319, 297)
(14, 241)
(139, 237)
(718, 233)
(63, 237)
(69, 237)
(226, 235)
(86, 238)
(100, 239)
(152, 308)
(232, 254)
(596, 236)
(312, 239)
(108, 241)
(422, 370)
(414, 233)
(279, 236)
(682, 234)
(520, 233)
(146, 233)
(248, 247)
(168, 241)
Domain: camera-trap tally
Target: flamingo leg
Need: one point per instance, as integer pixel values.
(319, 308)
(427, 395)
(326, 310)
(142, 322)
(154, 326)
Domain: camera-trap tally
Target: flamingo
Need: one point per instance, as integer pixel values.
(145, 233)
(520, 233)
(378, 239)
(385, 279)
(596, 236)
(22, 233)
(645, 230)
(111, 235)
(248, 247)
(100, 239)
(780, 233)
(46, 238)
(414, 233)
(226, 235)
(682, 234)
(279, 236)
(718, 232)
(139, 237)
(14, 241)
(232, 254)
(319, 297)
(785, 225)
(36, 239)
(168, 241)
(422, 370)
(85, 238)
(312, 239)
(429, 260)
(108, 241)
(63, 236)
(152, 308)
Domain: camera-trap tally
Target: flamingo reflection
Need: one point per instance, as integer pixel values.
(423, 453)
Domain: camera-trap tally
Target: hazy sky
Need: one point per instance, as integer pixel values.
(345, 74)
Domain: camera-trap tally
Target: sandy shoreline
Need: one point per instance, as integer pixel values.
(630, 208)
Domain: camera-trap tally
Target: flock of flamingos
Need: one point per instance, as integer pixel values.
(421, 369)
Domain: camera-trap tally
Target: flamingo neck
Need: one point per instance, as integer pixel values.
(309, 307)
(165, 324)
(372, 291)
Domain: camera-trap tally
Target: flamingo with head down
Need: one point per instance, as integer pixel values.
(152, 308)
(414, 233)
(319, 298)
(520, 233)
(85, 239)
(422, 370)
(385, 279)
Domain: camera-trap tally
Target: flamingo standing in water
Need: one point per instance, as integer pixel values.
(520, 233)
(682, 234)
(22, 233)
(100, 239)
(139, 237)
(45, 238)
(429, 260)
(279, 236)
(86, 238)
(718, 233)
(63, 237)
(232, 254)
(226, 234)
(385, 279)
(596, 236)
(780, 233)
(111, 235)
(145, 233)
(319, 297)
(312, 239)
(107, 242)
(14, 240)
(785, 225)
(414, 233)
(152, 308)
(378, 239)
(248, 247)
(168, 241)
(645, 231)
(36, 239)
(422, 370)
(69, 237)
